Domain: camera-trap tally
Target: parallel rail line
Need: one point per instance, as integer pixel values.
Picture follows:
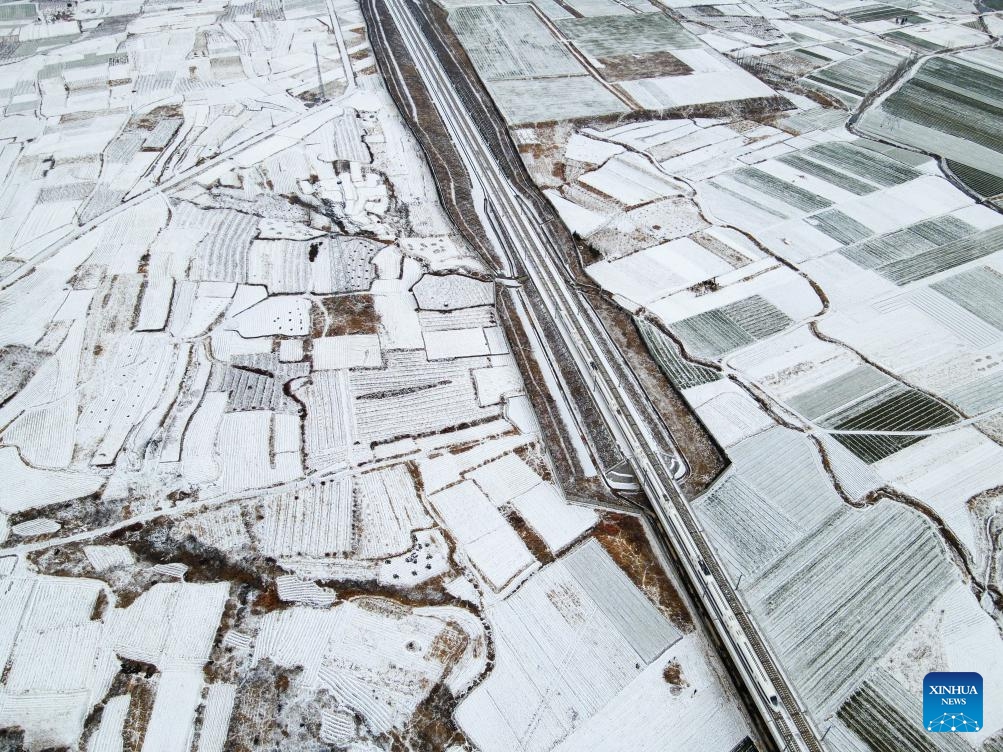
(522, 239)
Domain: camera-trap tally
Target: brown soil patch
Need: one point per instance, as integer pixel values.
(346, 314)
(253, 724)
(635, 66)
(673, 674)
(141, 695)
(624, 539)
(533, 541)
(432, 726)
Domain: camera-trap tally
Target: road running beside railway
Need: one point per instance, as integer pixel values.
(523, 242)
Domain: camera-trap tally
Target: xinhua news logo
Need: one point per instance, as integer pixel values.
(952, 701)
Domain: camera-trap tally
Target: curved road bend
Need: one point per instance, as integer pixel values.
(519, 234)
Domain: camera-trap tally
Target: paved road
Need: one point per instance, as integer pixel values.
(519, 233)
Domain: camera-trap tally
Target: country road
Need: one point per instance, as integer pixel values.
(520, 238)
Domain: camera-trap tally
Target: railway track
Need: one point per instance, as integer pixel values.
(524, 242)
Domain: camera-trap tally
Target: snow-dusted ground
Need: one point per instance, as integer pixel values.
(272, 477)
(828, 306)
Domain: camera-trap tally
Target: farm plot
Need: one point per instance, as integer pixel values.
(609, 36)
(677, 697)
(977, 392)
(852, 79)
(949, 107)
(510, 42)
(330, 424)
(32, 488)
(730, 327)
(918, 470)
(375, 657)
(494, 548)
(61, 661)
(776, 497)
(959, 636)
(413, 396)
(632, 180)
(651, 273)
(325, 265)
(530, 74)
(682, 373)
(835, 394)
(878, 410)
(853, 165)
(314, 520)
(388, 510)
(979, 291)
(846, 594)
(714, 79)
(546, 100)
(925, 249)
(256, 382)
(646, 225)
(809, 201)
(589, 631)
(882, 713)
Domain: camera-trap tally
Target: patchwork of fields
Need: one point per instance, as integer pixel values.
(272, 474)
(820, 280)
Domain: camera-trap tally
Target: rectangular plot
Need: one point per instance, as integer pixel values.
(828, 174)
(638, 65)
(875, 446)
(945, 257)
(984, 183)
(747, 528)
(908, 242)
(867, 13)
(838, 226)
(724, 329)
(897, 408)
(551, 99)
(979, 291)
(605, 36)
(757, 316)
(312, 520)
(942, 230)
(978, 396)
(781, 190)
(914, 43)
(412, 396)
(847, 594)
(782, 466)
(680, 372)
(598, 8)
(961, 78)
(634, 616)
(883, 714)
(511, 42)
(863, 163)
(858, 75)
(949, 112)
(842, 390)
(711, 334)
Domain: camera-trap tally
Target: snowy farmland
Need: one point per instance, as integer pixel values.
(819, 279)
(273, 476)
(597, 62)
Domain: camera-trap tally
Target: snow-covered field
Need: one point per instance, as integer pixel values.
(828, 305)
(272, 478)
